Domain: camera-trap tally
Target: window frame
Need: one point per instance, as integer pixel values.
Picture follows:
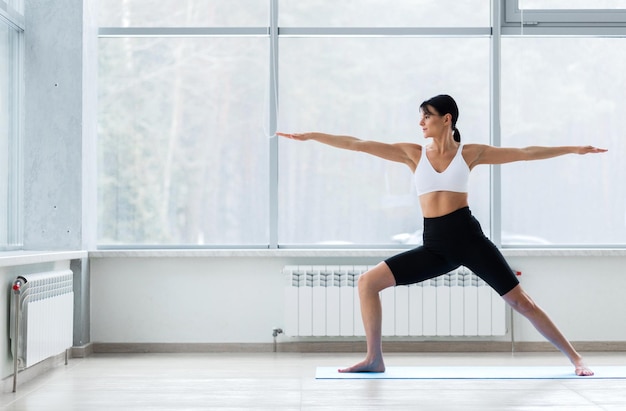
(12, 16)
(506, 20)
(561, 22)
(552, 22)
(274, 32)
(15, 227)
(606, 17)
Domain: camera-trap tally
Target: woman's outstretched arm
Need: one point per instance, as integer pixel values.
(399, 152)
(485, 154)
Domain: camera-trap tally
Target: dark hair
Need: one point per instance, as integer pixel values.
(444, 104)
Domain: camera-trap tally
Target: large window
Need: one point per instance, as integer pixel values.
(191, 93)
(371, 88)
(183, 155)
(10, 187)
(565, 91)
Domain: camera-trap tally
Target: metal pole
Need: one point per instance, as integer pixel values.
(512, 331)
(16, 292)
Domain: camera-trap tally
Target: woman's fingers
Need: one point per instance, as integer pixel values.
(293, 136)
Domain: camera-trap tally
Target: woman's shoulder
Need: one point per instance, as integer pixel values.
(472, 148)
(473, 151)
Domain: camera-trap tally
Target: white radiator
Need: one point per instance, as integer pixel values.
(45, 321)
(324, 301)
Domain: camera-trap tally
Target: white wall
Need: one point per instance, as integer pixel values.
(237, 297)
(185, 300)
(240, 299)
(583, 295)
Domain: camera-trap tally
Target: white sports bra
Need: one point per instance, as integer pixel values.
(454, 178)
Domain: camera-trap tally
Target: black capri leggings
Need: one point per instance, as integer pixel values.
(450, 241)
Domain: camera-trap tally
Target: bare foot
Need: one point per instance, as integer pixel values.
(583, 371)
(366, 366)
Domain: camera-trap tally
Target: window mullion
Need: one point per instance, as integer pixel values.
(495, 104)
(273, 120)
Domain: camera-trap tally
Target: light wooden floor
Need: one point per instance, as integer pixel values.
(285, 381)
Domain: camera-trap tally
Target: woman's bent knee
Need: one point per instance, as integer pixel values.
(376, 279)
(524, 306)
(520, 301)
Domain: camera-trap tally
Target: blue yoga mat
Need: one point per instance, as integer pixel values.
(478, 373)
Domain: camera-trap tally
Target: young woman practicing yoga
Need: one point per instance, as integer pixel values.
(452, 236)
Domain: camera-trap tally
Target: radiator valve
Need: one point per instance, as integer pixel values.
(276, 331)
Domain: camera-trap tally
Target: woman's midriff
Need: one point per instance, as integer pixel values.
(440, 203)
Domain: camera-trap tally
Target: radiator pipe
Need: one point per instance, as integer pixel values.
(17, 288)
(275, 333)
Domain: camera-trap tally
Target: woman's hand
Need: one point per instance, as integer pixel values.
(296, 136)
(589, 149)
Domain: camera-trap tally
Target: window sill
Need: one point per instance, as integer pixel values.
(365, 253)
(13, 258)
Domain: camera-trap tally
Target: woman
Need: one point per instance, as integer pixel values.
(452, 236)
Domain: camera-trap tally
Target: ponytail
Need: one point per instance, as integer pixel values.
(457, 135)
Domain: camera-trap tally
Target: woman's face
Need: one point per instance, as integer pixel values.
(431, 122)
